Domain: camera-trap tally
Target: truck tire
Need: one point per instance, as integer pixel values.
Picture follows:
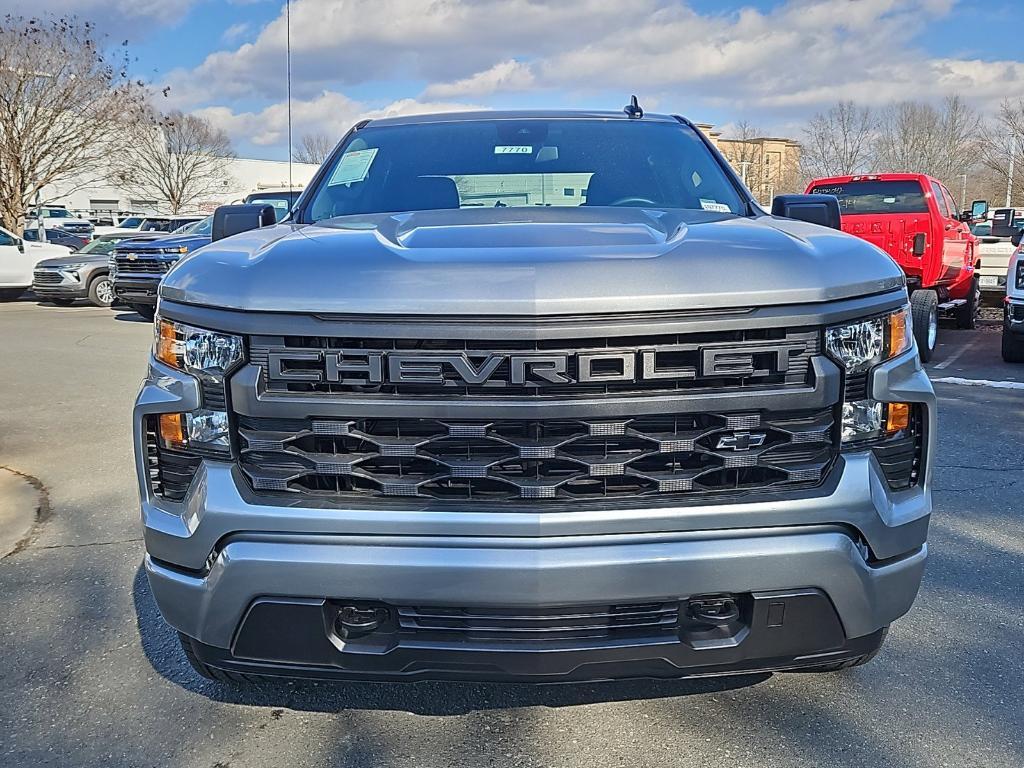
(101, 291)
(147, 311)
(967, 314)
(1013, 347)
(212, 673)
(924, 312)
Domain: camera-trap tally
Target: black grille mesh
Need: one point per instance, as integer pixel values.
(537, 460)
(47, 277)
(140, 265)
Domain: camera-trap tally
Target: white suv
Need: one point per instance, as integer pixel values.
(18, 258)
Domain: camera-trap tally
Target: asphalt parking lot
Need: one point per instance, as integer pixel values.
(89, 675)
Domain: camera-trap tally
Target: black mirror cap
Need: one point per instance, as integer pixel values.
(229, 220)
(815, 209)
(1016, 238)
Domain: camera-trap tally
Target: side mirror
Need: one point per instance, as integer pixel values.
(229, 220)
(815, 209)
(1016, 238)
(919, 243)
(979, 209)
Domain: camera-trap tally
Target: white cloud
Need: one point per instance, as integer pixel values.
(505, 76)
(329, 112)
(236, 32)
(770, 66)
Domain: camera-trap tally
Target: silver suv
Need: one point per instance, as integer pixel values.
(533, 396)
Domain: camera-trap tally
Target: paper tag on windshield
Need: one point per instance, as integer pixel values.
(353, 166)
(509, 150)
(714, 205)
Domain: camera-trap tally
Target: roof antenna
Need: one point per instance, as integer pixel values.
(633, 108)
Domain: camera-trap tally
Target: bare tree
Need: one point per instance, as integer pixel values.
(313, 148)
(919, 138)
(839, 141)
(61, 97)
(1002, 149)
(178, 158)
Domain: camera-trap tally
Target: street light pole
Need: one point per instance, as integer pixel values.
(963, 192)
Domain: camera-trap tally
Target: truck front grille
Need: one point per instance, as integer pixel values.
(140, 265)
(538, 460)
(551, 624)
(647, 364)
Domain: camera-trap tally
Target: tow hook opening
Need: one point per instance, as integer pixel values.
(354, 621)
(715, 610)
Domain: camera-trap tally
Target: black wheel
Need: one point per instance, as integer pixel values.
(967, 314)
(211, 673)
(101, 291)
(1013, 347)
(856, 661)
(61, 302)
(10, 294)
(924, 310)
(148, 311)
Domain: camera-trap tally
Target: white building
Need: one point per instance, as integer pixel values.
(242, 177)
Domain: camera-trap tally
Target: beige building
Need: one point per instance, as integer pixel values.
(769, 166)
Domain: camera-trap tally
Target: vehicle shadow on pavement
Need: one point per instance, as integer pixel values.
(160, 645)
(126, 315)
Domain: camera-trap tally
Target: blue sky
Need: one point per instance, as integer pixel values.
(772, 64)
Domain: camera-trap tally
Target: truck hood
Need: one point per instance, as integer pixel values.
(75, 258)
(189, 241)
(531, 261)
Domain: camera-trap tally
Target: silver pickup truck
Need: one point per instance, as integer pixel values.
(536, 396)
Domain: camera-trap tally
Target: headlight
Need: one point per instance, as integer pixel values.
(1020, 273)
(203, 353)
(71, 267)
(179, 249)
(861, 345)
(209, 356)
(858, 347)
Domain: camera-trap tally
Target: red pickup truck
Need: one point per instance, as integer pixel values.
(914, 219)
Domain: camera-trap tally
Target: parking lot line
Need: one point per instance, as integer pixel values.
(979, 382)
(952, 358)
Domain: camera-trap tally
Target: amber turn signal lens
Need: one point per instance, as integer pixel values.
(899, 339)
(167, 344)
(897, 417)
(172, 430)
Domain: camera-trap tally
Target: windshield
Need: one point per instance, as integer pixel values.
(102, 246)
(201, 227)
(533, 162)
(282, 201)
(56, 213)
(857, 197)
(132, 222)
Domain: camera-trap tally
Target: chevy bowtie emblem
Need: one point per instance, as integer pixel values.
(132, 256)
(741, 441)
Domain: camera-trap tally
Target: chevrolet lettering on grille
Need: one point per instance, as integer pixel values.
(361, 367)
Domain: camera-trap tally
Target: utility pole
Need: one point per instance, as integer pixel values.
(963, 191)
(744, 164)
(1009, 179)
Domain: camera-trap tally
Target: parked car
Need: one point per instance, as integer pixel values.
(59, 217)
(149, 224)
(282, 200)
(648, 432)
(1013, 312)
(83, 275)
(137, 267)
(57, 236)
(914, 219)
(994, 252)
(17, 260)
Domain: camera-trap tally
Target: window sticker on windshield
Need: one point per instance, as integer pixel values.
(353, 167)
(714, 205)
(513, 150)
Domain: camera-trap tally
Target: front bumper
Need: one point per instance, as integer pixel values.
(68, 291)
(222, 558)
(1013, 316)
(137, 290)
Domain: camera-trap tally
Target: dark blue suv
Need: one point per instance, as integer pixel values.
(137, 267)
